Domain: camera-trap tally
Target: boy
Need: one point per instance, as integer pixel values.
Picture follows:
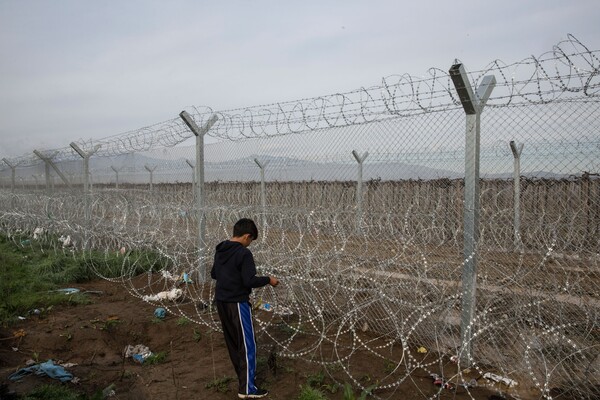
(235, 272)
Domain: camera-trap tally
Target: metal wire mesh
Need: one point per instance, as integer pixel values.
(369, 247)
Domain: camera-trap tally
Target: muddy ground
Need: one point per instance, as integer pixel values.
(94, 337)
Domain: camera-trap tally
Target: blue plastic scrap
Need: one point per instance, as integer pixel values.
(46, 368)
(160, 312)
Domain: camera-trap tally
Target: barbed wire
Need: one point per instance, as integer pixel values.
(387, 291)
(569, 69)
(380, 276)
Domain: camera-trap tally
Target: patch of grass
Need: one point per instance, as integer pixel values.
(197, 335)
(127, 374)
(109, 325)
(316, 380)
(30, 273)
(105, 325)
(261, 362)
(389, 366)
(53, 392)
(310, 393)
(183, 321)
(331, 387)
(349, 392)
(220, 385)
(156, 358)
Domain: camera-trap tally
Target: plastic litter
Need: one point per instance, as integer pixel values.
(422, 350)
(186, 278)
(167, 275)
(500, 379)
(47, 368)
(37, 232)
(138, 352)
(282, 310)
(20, 333)
(67, 365)
(66, 241)
(441, 381)
(68, 290)
(160, 312)
(172, 295)
(470, 384)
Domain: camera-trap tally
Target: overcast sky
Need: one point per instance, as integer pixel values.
(73, 70)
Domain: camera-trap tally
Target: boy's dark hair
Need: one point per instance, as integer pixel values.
(243, 226)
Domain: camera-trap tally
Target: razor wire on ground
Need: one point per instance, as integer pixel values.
(359, 199)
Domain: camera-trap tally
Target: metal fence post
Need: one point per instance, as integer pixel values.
(263, 192)
(517, 192)
(35, 178)
(359, 191)
(473, 105)
(86, 187)
(49, 163)
(151, 170)
(193, 167)
(117, 174)
(199, 133)
(12, 176)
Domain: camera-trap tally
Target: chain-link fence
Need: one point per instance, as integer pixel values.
(362, 201)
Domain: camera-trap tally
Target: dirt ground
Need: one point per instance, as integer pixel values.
(94, 337)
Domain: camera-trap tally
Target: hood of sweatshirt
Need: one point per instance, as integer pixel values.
(228, 249)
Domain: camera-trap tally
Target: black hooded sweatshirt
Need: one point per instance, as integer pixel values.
(235, 272)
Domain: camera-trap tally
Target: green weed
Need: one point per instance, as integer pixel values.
(310, 393)
(316, 380)
(183, 321)
(389, 366)
(197, 335)
(349, 392)
(53, 392)
(220, 385)
(155, 358)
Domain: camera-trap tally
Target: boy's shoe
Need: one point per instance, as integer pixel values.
(259, 394)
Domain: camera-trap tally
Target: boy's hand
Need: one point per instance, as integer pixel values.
(273, 281)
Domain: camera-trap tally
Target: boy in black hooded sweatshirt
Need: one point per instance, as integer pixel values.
(235, 272)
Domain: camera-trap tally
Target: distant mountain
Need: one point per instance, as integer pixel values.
(288, 169)
(131, 170)
(530, 175)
